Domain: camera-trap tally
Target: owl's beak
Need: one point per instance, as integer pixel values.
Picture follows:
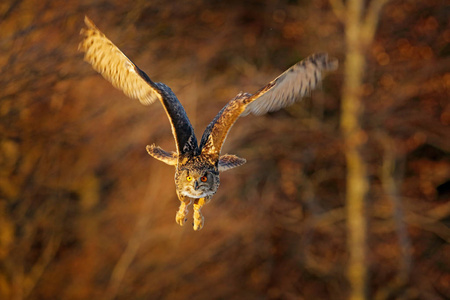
(196, 185)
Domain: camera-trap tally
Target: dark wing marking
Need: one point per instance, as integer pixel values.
(182, 129)
(284, 90)
(123, 74)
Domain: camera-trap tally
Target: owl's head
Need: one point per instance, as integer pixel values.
(197, 182)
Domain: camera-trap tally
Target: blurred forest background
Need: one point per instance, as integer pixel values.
(86, 213)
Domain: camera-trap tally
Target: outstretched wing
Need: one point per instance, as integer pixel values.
(296, 82)
(283, 91)
(123, 74)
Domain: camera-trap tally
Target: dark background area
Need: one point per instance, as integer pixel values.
(85, 213)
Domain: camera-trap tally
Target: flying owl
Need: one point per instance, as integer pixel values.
(197, 166)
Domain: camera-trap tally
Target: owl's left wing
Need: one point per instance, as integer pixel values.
(107, 59)
(283, 91)
(295, 83)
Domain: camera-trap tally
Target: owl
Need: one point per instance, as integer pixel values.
(198, 165)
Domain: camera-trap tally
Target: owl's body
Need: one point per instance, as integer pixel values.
(196, 177)
(198, 164)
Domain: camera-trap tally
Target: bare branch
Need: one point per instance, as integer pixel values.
(133, 245)
(38, 269)
(370, 23)
(390, 187)
(429, 224)
(338, 9)
(354, 139)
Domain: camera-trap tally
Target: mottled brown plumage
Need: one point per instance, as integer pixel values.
(197, 166)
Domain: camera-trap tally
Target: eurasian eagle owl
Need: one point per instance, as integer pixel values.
(197, 166)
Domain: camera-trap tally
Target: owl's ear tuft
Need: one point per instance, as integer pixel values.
(229, 161)
(162, 155)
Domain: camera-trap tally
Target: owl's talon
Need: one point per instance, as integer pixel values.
(198, 217)
(180, 219)
(198, 222)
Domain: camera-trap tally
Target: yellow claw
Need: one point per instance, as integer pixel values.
(199, 220)
(180, 217)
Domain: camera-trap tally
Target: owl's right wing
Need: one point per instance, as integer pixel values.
(290, 86)
(107, 59)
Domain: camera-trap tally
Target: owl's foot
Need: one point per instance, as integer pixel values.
(180, 217)
(199, 220)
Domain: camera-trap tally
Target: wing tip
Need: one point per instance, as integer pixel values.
(86, 32)
(230, 161)
(327, 63)
(332, 64)
(170, 158)
(89, 23)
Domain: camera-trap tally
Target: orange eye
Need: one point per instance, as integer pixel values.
(204, 178)
(188, 178)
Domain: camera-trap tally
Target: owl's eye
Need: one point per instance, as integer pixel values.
(188, 178)
(204, 178)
